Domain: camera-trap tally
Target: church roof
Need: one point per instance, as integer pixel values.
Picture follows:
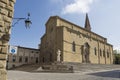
(87, 24)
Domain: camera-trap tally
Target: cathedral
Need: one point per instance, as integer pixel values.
(73, 43)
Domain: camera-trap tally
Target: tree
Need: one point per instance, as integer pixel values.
(116, 57)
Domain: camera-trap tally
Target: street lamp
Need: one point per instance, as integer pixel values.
(6, 36)
(27, 21)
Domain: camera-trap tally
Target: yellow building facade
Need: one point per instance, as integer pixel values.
(76, 44)
(21, 56)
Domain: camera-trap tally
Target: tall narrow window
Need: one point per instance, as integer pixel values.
(95, 51)
(8, 58)
(26, 59)
(73, 46)
(100, 52)
(103, 53)
(36, 59)
(20, 58)
(14, 58)
(107, 54)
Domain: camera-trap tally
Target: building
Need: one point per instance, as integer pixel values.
(6, 16)
(18, 56)
(75, 43)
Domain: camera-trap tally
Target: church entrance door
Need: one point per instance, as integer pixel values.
(86, 53)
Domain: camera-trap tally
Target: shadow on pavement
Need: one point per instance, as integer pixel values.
(112, 74)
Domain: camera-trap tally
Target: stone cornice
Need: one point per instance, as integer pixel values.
(87, 36)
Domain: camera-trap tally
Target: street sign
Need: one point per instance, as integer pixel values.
(13, 49)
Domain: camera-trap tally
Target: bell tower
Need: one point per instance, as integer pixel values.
(87, 23)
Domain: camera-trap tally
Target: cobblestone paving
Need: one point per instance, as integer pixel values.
(106, 75)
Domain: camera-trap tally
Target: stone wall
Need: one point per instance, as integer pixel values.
(6, 15)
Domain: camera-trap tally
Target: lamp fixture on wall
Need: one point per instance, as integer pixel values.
(27, 21)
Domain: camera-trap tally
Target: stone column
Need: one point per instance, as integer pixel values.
(6, 15)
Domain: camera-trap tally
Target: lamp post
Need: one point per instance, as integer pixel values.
(27, 21)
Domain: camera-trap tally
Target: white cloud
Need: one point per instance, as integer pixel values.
(78, 6)
(116, 48)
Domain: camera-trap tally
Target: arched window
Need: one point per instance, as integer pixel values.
(95, 51)
(73, 46)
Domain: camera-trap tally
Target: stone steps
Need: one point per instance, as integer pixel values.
(27, 67)
(57, 68)
(94, 67)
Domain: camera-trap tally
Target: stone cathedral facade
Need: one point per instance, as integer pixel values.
(76, 44)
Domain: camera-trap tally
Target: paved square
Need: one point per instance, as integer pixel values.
(21, 75)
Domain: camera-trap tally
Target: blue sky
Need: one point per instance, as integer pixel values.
(104, 17)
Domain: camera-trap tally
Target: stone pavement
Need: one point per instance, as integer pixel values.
(77, 67)
(105, 75)
(82, 72)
